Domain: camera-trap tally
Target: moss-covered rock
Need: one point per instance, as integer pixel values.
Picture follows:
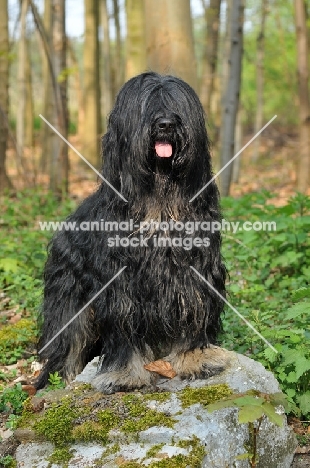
(165, 429)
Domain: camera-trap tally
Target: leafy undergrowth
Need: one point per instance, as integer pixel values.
(23, 249)
(23, 244)
(268, 284)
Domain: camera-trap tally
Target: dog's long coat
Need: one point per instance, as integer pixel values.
(156, 154)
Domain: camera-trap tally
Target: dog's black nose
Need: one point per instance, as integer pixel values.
(165, 124)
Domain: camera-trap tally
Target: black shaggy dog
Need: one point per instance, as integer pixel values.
(156, 154)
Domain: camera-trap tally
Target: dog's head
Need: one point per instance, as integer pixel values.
(156, 127)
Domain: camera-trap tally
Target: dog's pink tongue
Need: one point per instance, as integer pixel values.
(163, 150)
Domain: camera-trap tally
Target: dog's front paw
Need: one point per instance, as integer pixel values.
(200, 363)
(121, 380)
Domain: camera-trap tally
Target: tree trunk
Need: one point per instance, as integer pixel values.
(226, 50)
(5, 182)
(91, 84)
(231, 97)
(135, 54)
(238, 145)
(22, 89)
(212, 16)
(260, 80)
(220, 85)
(29, 99)
(46, 133)
(59, 168)
(170, 47)
(78, 89)
(118, 77)
(106, 56)
(303, 170)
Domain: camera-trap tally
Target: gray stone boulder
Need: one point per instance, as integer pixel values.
(181, 430)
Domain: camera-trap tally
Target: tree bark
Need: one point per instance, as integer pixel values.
(77, 88)
(5, 182)
(303, 169)
(106, 58)
(22, 90)
(29, 138)
(220, 84)
(170, 47)
(260, 80)
(118, 48)
(226, 50)
(238, 145)
(231, 97)
(55, 51)
(59, 168)
(212, 17)
(91, 84)
(46, 132)
(135, 54)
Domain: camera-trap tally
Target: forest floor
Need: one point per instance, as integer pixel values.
(274, 171)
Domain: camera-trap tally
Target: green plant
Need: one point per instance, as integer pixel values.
(14, 339)
(253, 407)
(303, 439)
(292, 363)
(269, 273)
(8, 461)
(55, 381)
(23, 253)
(7, 376)
(12, 398)
(12, 421)
(23, 244)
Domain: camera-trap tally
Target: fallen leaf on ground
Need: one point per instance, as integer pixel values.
(16, 318)
(162, 368)
(30, 389)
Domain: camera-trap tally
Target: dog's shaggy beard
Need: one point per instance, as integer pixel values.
(158, 307)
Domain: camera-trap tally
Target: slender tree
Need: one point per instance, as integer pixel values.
(47, 133)
(212, 18)
(238, 145)
(303, 170)
(118, 67)
(59, 168)
(21, 75)
(231, 95)
(226, 49)
(260, 79)
(29, 112)
(135, 52)
(4, 95)
(170, 47)
(77, 84)
(91, 132)
(106, 68)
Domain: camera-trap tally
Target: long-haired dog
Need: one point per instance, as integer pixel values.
(156, 154)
